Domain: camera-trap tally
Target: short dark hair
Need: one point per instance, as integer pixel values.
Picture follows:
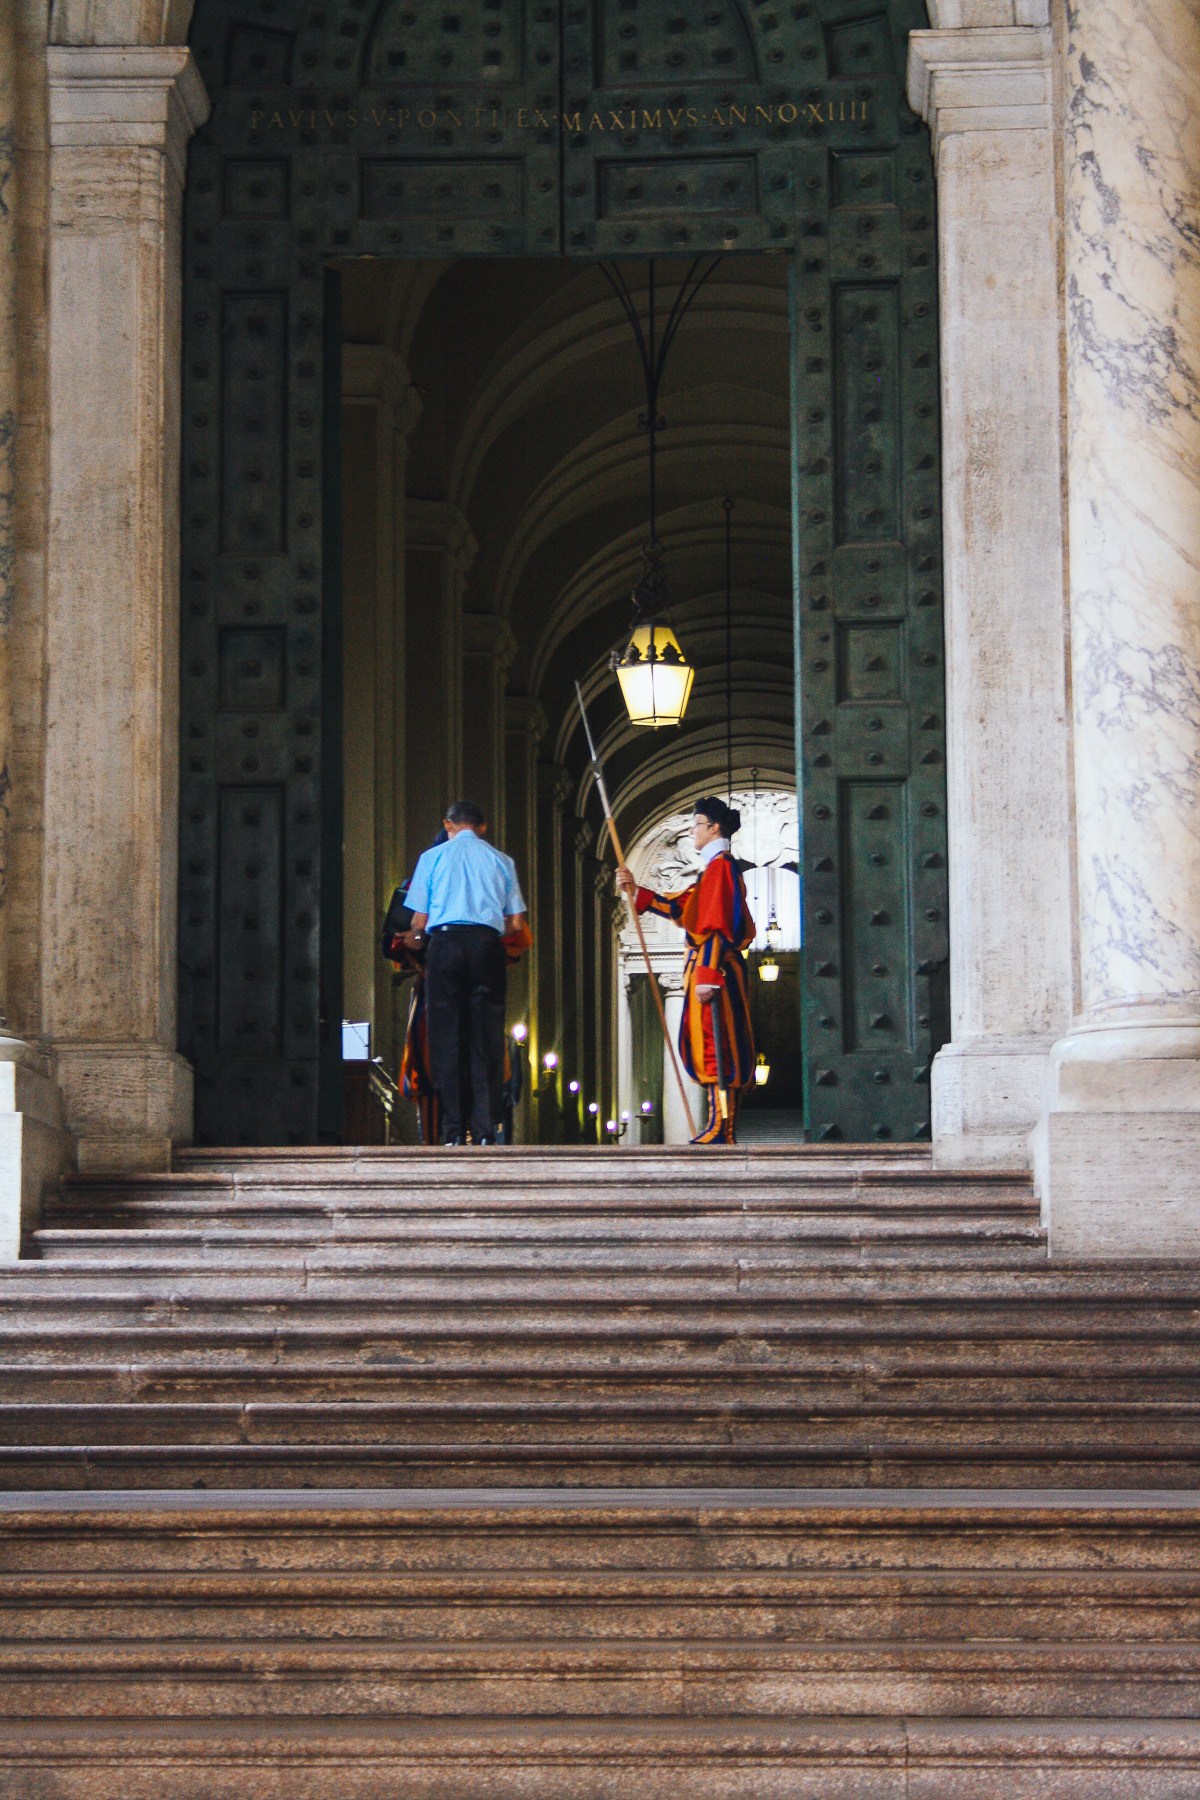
(727, 819)
(465, 812)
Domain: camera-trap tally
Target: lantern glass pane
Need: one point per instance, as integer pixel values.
(655, 692)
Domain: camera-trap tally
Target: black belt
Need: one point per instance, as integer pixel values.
(461, 925)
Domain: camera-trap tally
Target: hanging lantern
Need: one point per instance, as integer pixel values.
(762, 1071)
(774, 930)
(768, 969)
(655, 676)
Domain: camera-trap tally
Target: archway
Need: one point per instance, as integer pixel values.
(487, 131)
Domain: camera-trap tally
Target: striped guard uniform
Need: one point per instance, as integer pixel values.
(716, 918)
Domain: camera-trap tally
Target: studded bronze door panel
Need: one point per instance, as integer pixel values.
(337, 129)
(681, 122)
(870, 687)
(594, 128)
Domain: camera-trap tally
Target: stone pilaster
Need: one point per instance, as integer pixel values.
(120, 120)
(555, 921)
(524, 728)
(986, 94)
(380, 407)
(440, 549)
(488, 649)
(1119, 1147)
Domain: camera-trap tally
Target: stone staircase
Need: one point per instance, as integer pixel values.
(556, 1473)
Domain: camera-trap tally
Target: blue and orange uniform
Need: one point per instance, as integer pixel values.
(715, 916)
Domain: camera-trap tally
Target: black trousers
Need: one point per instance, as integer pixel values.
(465, 975)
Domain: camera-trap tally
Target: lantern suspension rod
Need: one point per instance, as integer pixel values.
(654, 349)
(727, 503)
(597, 768)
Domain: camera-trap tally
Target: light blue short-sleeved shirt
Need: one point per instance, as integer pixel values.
(465, 881)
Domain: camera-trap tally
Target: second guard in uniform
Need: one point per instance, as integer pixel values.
(716, 1041)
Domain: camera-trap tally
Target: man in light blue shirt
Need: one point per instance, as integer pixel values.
(464, 896)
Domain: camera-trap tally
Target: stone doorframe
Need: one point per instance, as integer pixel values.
(1024, 944)
(120, 119)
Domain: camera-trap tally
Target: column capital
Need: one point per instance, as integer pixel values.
(554, 782)
(997, 79)
(376, 373)
(442, 526)
(137, 97)
(487, 634)
(525, 715)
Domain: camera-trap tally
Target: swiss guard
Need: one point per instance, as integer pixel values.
(716, 1041)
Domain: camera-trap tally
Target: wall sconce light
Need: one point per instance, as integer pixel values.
(572, 1087)
(550, 1061)
(768, 968)
(519, 1033)
(762, 1071)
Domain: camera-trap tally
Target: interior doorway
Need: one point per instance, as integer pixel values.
(565, 135)
(494, 515)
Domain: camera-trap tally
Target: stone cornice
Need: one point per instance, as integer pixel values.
(989, 80)
(139, 97)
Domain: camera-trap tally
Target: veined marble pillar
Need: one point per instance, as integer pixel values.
(35, 1149)
(488, 648)
(1119, 1148)
(986, 94)
(120, 120)
(440, 550)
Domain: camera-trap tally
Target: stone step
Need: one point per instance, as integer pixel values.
(599, 1758)
(799, 1226)
(754, 1645)
(1102, 1381)
(1153, 1289)
(619, 1162)
(170, 1200)
(867, 1459)
(145, 1253)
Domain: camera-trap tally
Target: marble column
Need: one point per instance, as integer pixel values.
(552, 933)
(488, 649)
(678, 1128)
(120, 120)
(440, 548)
(35, 1149)
(1119, 1147)
(379, 409)
(986, 94)
(524, 727)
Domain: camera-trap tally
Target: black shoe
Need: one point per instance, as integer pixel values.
(452, 1141)
(487, 1140)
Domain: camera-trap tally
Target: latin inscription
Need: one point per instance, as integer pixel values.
(810, 114)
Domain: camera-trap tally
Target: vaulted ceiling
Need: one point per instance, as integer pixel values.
(531, 393)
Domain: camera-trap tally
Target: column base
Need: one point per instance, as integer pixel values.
(36, 1150)
(986, 1098)
(1117, 1149)
(127, 1105)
